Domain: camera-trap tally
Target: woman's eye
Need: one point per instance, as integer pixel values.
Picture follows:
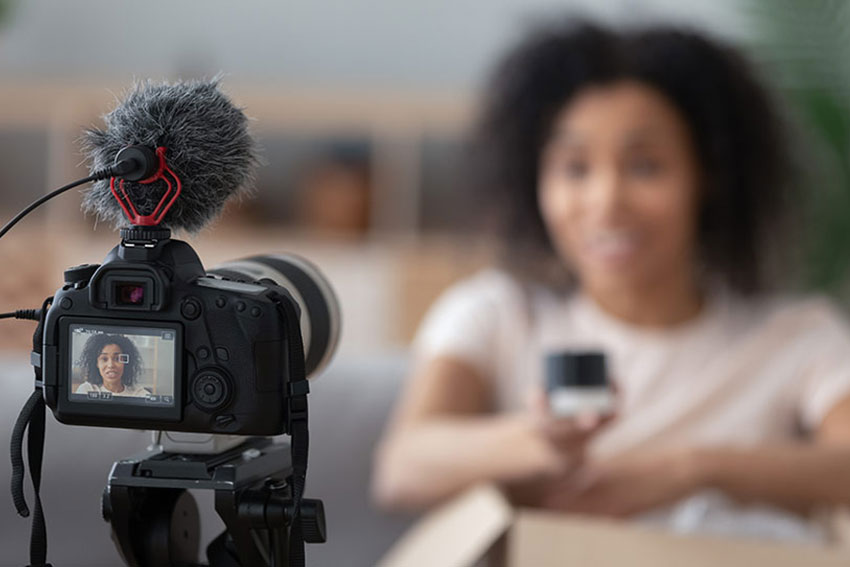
(576, 169)
(644, 167)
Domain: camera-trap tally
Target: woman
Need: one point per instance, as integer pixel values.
(111, 364)
(641, 175)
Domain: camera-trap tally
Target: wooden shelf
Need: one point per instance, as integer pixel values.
(386, 279)
(394, 124)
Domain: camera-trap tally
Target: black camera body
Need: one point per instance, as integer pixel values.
(212, 354)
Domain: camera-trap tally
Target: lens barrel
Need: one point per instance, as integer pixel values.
(320, 312)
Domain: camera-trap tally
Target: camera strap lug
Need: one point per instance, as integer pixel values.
(299, 388)
(298, 391)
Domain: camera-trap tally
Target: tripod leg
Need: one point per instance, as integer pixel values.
(239, 528)
(219, 553)
(279, 537)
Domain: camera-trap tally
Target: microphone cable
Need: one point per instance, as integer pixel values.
(116, 170)
(26, 314)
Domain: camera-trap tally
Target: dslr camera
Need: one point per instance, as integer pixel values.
(151, 340)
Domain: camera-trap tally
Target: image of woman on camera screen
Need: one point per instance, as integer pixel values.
(641, 182)
(111, 363)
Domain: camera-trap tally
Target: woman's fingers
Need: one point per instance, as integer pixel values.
(537, 402)
(570, 433)
(566, 434)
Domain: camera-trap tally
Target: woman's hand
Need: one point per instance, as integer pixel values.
(550, 448)
(626, 485)
(445, 438)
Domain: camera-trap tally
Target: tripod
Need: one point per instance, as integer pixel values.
(155, 521)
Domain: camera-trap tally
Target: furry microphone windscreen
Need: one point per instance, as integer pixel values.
(208, 148)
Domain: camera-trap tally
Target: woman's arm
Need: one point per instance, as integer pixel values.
(442, 440)
(793, 476)
(797, 477)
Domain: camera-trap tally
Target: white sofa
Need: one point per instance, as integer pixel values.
(349, 406)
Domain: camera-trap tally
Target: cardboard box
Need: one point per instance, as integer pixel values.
(481, 523)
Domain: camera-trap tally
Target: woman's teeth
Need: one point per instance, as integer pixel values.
(613, 244)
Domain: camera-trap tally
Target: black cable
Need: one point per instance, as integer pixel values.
(28, 314)
(33, 314)
(41, 201)
(105, 173)
(119, 168)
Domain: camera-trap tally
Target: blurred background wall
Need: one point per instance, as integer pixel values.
(370, 43)
(361, 109)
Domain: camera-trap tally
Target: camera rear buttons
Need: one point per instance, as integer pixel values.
(210, 389)
(81, 273)
(224, 420)
(190, 308)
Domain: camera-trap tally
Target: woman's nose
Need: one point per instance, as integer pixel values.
(607, 193)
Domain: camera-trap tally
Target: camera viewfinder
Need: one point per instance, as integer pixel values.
(129, 293)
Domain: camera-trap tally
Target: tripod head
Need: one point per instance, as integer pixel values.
(155, 522)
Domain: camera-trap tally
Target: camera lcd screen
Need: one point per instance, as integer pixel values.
(122, 365)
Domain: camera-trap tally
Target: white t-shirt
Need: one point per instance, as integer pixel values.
(135, 391)
(745, 372)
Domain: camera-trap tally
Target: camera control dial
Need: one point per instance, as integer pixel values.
(81, 273)
(210, 389)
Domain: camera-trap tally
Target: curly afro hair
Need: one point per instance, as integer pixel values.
(94, 346)
(739, 137)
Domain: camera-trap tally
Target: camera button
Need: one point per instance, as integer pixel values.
(190, 308)
(225, 420)
(222, 354)
(256, 311)
(81, 273)
(240, 306)
(220, 302)
(203, 353)
(66, 303)
(210, 389)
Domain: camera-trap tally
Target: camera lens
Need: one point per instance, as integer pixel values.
(130, 293)
(320, 314)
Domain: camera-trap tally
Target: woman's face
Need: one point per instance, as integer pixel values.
(109, 363)
(619, 188)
